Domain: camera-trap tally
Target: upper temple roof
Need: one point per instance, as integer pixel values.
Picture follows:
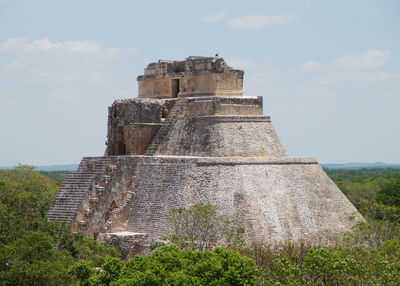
(194, 76)
(192, 65)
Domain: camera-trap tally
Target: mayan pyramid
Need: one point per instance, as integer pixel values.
(192, 137)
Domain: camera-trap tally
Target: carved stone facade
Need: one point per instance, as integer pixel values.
(191, 137)
(195, 76)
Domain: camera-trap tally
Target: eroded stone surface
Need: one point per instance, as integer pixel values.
(194, 76)
(185, 142)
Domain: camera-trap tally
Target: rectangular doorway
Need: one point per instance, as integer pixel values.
(120, 146)
(175, 87)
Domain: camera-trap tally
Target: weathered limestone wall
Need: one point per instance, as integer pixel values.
(138, 136)
(155, 88)
(109, 191)
(195, 76)
(223, 136)
(133, 123)
(222, 106)
(217, 84)
(214, 84)
(130, 118)
(274, 198)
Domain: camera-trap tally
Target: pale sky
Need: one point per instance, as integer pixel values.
(329, 72)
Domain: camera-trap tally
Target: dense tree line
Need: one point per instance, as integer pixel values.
(34, 251)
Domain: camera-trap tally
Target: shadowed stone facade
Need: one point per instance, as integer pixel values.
(191, 137)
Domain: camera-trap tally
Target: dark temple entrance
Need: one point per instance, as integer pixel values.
(175, 87)
(120, 146)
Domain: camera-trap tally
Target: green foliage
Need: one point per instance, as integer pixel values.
(389, 194)
(57, 176)
(380, 211)
(323, 267)
(361, 174)
(201, 227)
(169, 265)
(368, 184)
(82, 270)
(288, 264)
(34, 251)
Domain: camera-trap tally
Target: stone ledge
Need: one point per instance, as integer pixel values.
(255, 161)
(147, 124)
(231, 118)
(215, 93)
(203, 161)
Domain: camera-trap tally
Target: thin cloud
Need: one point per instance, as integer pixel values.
(255, 21)
(214, 17)
(46, 45)
(310, 67)
(50, 62)
(371, 59)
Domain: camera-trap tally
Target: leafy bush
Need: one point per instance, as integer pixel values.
(169, 265)
(389, 194)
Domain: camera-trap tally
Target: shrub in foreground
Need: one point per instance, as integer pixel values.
(170, 265)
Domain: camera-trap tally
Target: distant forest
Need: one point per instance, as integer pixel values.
(34, 251)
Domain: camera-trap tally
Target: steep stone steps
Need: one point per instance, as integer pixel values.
(76, 188)
(93, 164)
(165, 129)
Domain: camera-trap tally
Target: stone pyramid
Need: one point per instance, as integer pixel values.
(192, 137)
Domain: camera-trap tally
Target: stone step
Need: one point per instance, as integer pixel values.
(66, 190)
(77, 188)
(98, 159)
(70, 206)
(94, 164)
(75, 181)
(80, 175)
(64, 215)
(64, 212)
(164, 130)
(66, 219)
(93, 169)
(68, 201)
(72, 200)
(66, 208)
(73, 188)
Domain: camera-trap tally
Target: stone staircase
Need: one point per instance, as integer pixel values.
(164, 130)
(77, 188)
(115, 223)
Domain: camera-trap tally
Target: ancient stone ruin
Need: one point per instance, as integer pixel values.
(192, 137)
